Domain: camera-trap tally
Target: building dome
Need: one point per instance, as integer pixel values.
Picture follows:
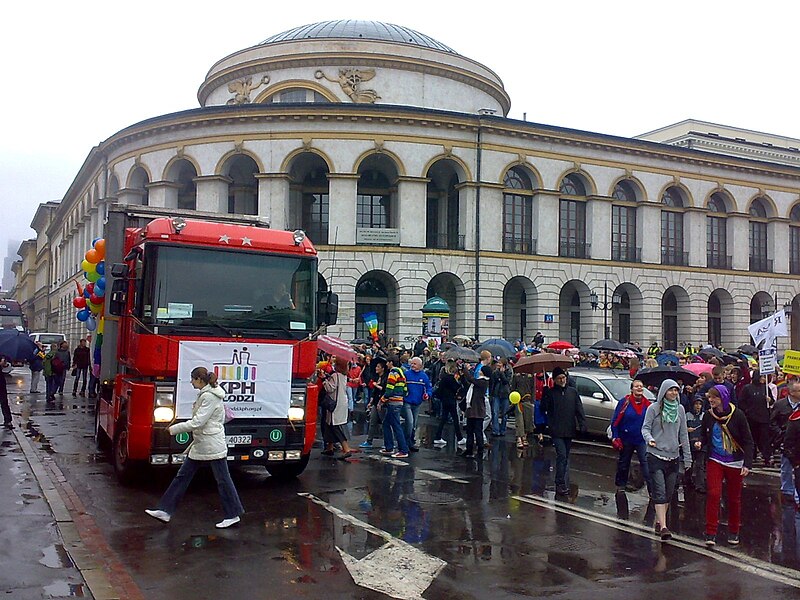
(352, 29)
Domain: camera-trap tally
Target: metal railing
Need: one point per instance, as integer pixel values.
(445, 241)
(519, 245)
(571, 249)
(626, 254)
(674, 257)
(715, 260)
(761, 264)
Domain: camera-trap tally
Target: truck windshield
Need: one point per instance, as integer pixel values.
(11, 316)
(229, 292)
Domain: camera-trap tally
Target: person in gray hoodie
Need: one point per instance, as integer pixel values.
(666, 435)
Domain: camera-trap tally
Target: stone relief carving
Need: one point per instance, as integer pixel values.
(242, 88)
(350, 80)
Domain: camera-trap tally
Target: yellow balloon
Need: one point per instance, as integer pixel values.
(514, 397)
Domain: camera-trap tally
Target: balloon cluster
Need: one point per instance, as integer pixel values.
(91, 298)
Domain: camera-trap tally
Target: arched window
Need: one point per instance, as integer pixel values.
(296, 95)
(716, 233)
(518, 212)
(374, 200)
(572, 218)
(794, 240)
(443, 208)
(243, 189)
(183, 174)
(759, 246)
(372, 296)
(623, 223)
(672, 228)
(140, 181)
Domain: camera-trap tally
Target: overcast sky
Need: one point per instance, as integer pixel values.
(75, 73)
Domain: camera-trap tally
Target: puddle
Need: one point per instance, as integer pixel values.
(200, 542)
(64, 589)
(56, 557)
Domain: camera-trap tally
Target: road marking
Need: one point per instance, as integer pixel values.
(402, 463)
(396, 569)
(726, 556)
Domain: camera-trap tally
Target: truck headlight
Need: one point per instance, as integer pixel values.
(298, 399)
(296, 413)
(164, 414)
(165, 397)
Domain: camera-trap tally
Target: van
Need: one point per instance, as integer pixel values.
(48, 338)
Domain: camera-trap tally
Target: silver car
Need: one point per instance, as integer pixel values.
(600, 390)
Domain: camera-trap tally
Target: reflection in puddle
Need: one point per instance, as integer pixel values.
(200, 542)
(64, 589)
(56, 557)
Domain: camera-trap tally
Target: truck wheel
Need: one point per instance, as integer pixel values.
(100, 437)
(288, 471)
(125, 469)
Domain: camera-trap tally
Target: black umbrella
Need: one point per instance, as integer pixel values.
(16, 345)
(656, 375)
(589, 350)
(711, 351)
(610, 345)
(498, 347)
(463, 353)
(748, 349)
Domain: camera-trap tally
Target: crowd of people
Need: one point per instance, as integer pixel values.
(56, 362)
(708, 429)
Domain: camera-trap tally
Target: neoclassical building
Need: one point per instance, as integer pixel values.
(395, 154)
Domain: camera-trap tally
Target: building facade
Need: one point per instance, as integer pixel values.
(394, 153)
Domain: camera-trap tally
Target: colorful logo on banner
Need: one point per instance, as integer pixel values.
(237, 376)
(371, 320)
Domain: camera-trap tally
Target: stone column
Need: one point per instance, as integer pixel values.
(163, 194)
(342, 208)
(130, 196)
(412, 215)
(598, 227)
(648, 234)
(273, 199)
(545, 223)
(694, 236)
(778, 246)
(739, 241)
(212, 193)
(491, 218)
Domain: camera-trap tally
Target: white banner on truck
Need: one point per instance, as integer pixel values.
(257, 378)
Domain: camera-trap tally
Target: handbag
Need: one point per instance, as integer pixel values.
(229, 414)
(329, 400)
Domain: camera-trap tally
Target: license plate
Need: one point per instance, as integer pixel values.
(238, 440)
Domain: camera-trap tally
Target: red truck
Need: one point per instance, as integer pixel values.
(228, 294)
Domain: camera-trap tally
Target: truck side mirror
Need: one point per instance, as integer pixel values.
(119, 297)
(328, 307)
(119, 270)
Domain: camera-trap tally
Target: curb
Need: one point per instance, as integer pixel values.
(80, 535)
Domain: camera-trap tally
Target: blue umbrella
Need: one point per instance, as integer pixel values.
(667, 357)
(16, 345)
(498, 347)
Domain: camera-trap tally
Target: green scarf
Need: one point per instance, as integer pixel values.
(669, 411)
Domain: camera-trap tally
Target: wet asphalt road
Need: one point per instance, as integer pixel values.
(483, 529)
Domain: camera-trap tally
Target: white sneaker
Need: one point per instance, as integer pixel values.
(462, 442)
(439, 443)
(161, 515)
(225, 523)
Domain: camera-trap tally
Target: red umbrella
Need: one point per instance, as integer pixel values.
(336, 346)
(698, 368)
(559, 345)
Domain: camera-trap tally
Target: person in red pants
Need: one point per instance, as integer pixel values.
(726, 435)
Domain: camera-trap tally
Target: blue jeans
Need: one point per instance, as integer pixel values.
(562, 446)
(351, 398)
(392, 428)
(410, 412)
(624, 463)
(664, 477)
(231, 505)
(51, 381)
(499, 416)
(787, 479)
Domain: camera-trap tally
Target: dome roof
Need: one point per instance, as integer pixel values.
(368, 30)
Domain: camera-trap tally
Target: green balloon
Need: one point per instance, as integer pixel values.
(93, 276)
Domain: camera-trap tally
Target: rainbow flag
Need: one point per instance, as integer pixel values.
(371, 320)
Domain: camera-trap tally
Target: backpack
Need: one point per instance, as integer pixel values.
(58, 365)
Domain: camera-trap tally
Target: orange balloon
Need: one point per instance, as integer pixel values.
(100, 248)
(92, 257)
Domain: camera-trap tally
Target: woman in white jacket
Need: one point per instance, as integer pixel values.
(208, 447)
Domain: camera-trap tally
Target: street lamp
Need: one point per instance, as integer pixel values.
(605, 305)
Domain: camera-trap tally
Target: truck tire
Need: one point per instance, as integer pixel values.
(126, 470)
(100, 438)
(288, 471)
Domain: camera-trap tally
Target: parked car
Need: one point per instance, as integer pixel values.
(600, 390)
(48, 338)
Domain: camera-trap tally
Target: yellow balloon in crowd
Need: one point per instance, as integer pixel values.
(514, 397)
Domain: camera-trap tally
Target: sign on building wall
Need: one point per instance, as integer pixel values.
(377, 237)
(257, 378)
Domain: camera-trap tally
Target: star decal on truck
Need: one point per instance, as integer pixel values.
(246, 241)
(224, 238)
